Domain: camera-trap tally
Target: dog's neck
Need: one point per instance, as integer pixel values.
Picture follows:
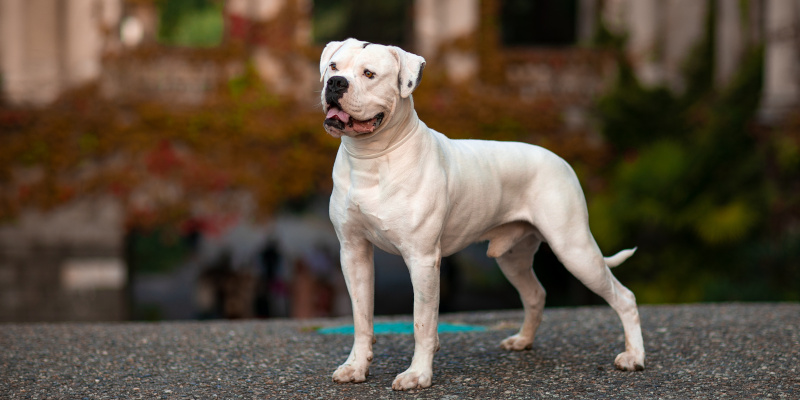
(396, 131)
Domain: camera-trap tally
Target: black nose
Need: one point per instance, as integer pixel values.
(338, 84)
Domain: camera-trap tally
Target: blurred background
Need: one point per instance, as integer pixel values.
(165, 159)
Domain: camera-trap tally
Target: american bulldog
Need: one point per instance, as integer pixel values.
(409, 190)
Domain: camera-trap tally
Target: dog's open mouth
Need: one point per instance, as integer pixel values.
(340, 120)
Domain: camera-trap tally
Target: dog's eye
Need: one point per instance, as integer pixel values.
(333, 67)
(369, 74)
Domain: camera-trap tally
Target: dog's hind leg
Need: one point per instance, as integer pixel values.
(517, 266)
(581, 256)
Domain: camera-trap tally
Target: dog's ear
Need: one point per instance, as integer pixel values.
(411, 66)
(327, 54)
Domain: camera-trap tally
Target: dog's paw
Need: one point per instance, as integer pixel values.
(517, 343)
(413, 379)
(629, 362)
(350, 373)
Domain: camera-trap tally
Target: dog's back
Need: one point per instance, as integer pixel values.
(491, 183)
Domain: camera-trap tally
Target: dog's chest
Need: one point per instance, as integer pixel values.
(361, 213)
(378, 203)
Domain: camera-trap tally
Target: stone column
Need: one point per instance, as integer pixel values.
(49, 46)
(686, 23)
(110, 18)
(782, 56)
(31, 64)
(83, 42)
(12, 47)
(615, 15)
(461, 23)
(644, 19)
(440, 22)
(587, 20)
(731, 43)
(41, 80)
(426, 27)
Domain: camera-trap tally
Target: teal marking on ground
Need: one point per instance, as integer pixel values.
(402, 328)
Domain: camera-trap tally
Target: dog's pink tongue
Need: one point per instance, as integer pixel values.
(341, 115)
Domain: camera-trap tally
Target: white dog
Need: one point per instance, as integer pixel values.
(410, 190)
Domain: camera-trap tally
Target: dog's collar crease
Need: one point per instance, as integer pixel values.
(388, 149)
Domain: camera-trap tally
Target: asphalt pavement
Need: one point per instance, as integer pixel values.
(704, 351)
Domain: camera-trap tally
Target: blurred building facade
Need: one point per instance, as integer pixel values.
(50, 270)
(48, 47)
(51, 46)
(65, 264)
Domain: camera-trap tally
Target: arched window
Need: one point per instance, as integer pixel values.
(191, 23)
(539, 22)
(384, 22)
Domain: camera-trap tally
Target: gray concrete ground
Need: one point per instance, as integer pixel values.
(709, 351)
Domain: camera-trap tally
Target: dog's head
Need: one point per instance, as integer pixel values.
(363, 84)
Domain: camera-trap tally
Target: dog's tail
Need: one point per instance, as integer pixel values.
(619, 258)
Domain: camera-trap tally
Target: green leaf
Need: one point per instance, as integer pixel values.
(729, 223)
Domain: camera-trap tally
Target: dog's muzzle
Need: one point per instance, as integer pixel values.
(339, 120)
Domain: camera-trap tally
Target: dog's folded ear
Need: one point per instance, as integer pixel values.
(411, 66)
(330, 49)
(326, 56)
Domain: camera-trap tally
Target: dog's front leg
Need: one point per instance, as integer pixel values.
(425, 280)
(358, 269)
